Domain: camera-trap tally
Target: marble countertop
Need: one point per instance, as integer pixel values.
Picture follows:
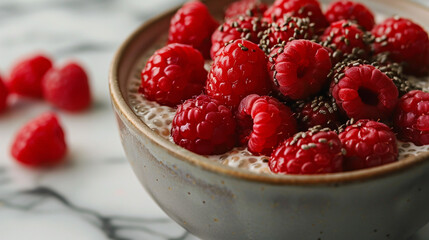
(95, 196)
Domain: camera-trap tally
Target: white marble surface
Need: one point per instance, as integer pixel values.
(95, 196)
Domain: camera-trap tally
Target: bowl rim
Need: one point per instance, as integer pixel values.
(126, 113)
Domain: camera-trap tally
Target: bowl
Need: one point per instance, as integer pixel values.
(214, 201)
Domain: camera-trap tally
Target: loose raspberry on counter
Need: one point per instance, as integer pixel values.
(26, 76)
(204, 126)
(368, 144)
(239, 69)
(286, 30)
(3, 95)
(363, 91)
(241, 27)
(298, 8)
(353, 11)
(245, 7)
(412, 117)
(40, 143)
(316, 151)
(300, 70)
(406, 43)
(173, 74)
(193, 25)
(263, 123)
(321, 110)
(67, 87)
(343, 37)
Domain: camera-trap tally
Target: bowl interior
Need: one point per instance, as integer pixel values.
(134, 52)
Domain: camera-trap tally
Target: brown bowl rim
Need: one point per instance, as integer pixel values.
(119, 103)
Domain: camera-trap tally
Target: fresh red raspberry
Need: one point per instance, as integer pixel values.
(26, 76)
(204, 126)
(40, 143)
(3, 95)
(245, 7)
(412, 117)
(364, 92)
(193, 25)
(285, 30)
(406, 42)
(301, 70)
(173, 74)
(242, 27)
(298, 8)
(368, 144)
(238, 70)
(321, 110)
(67, 87)
(344, 36)
(263, 123)
(313, 152)
(353, 11)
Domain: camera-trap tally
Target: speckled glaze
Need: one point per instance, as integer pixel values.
(214, 201)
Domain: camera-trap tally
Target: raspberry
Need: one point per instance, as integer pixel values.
(322, 111)
(3, 95)
(364, 92)
(204, 126)
(368, 144)
(67, 87)
(242, 27)
(173, 74)
(193, 25)
(238, 70)
(406, 42)
(301, 69)
(40, 143)
(353, 11)
(245, 7)
(26, 76)
(412, 117)
(298, 8)
(263, 123)
(313, 152)
(285, 30)
(344, 37)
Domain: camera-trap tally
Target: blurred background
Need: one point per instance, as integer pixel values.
(95, 196)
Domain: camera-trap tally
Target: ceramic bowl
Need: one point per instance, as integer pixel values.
(213, 201)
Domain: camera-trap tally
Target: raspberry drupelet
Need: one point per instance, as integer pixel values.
(353, 11)
(412, 117)
(363, 91)
(263, 123)
(173, 74)
(40, 143)
(316, 151)
(298, 8)
(239, 69)
(240, 27)
(406, 42)
(368, 144)
(67, 87)
(204, 126)
(301, 70)
(26, 76)
(245, 7)
(193, 25)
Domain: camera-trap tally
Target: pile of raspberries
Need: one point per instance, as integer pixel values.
(317, 92)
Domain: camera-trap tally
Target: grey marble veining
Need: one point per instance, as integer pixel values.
(95, 196)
